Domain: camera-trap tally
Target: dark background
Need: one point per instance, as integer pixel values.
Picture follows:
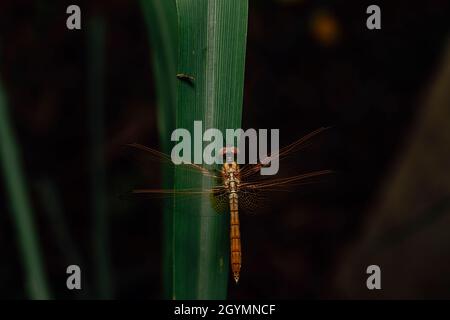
(309, 64)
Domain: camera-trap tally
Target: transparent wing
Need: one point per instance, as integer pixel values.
(148, 157)
(289, 150)
(173, 192)
(252, 200)
(162, 158)
(255, 188)
(280, 184)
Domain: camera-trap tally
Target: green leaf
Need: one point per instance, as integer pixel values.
(19, 202)
(211, 58)
(96, 96)
(161, 21)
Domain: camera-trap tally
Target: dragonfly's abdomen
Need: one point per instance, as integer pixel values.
(235, 237)
(230, 173)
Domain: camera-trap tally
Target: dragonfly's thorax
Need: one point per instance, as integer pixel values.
(230, 174)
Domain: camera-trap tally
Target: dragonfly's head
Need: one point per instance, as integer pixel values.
(229, 154)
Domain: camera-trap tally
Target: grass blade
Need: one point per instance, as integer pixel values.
(161, 21)
(96, 91)
(212, 42)
(36, 282)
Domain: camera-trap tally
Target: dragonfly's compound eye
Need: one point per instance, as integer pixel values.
(226, 150)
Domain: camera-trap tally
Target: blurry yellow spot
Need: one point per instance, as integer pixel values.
(325, 28)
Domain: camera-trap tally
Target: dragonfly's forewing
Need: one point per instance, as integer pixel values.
(164, 159)
(153, 160)
(255, 188)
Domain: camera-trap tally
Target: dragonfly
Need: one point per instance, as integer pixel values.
(238, 187)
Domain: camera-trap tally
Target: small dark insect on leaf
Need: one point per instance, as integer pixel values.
(186, 77)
